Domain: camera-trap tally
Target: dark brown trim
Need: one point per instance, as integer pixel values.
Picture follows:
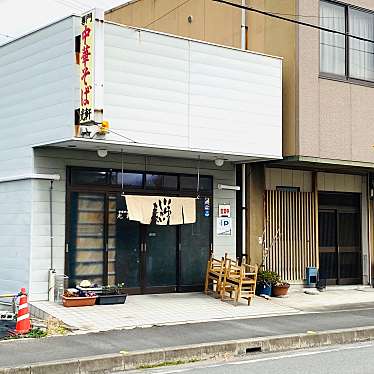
(239, 212)
(107, 187)
(106, 239)
(339, 78)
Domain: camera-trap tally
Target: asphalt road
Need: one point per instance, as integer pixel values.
(74, 346)
(343, 359)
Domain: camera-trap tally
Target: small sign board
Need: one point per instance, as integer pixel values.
(224, 226)
(86, 65)
(224, 210)
(206, 207)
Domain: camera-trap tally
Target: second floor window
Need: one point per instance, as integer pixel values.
(343, 56)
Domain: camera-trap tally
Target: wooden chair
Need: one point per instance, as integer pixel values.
(214, 274)
(240, 280)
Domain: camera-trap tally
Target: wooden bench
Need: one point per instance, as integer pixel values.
(240, 280)
(215, 273)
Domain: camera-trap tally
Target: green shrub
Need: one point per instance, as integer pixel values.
(268, 277)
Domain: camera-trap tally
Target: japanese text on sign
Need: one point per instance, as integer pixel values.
(86, 69)
(224, 210)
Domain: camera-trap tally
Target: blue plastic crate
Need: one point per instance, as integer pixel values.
(311, 276)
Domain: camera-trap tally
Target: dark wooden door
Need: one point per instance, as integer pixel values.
(340, 254)
(328, 256)
(349, 247)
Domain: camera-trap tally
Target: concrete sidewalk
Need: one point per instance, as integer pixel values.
(184, 308)
(25, 352)
(157, 310)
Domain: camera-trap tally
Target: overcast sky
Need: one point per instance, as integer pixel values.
(18, 17)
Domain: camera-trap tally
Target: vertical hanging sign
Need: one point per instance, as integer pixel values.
(206, 207)
(86, 64)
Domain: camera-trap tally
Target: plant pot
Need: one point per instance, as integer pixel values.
(78, 301)
(111, 299)
(263, 289)
(279, 291)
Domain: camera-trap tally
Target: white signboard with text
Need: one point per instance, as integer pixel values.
(224, 226)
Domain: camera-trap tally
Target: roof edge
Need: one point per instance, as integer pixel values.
(121, 6)
(40, 28)
(193, 40)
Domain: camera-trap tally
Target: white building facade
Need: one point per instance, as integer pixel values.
(176, 109)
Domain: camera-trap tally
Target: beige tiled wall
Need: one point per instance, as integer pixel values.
(300, 178)
(334, 117)
(288, 177)
(339, 182)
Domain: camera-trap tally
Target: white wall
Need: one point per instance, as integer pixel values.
(15, 238)
(36, 106)
(36, 97)
(55, 160)
(171, 92)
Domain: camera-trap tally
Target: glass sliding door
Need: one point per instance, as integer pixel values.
(126, 244)
(195, 242)
(340, 251)
(328, 255)
(105, 247)
(160, 258)
(349, 246)
(87, 238)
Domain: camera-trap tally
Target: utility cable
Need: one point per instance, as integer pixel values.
(167, 13)
(123, 136)
(293, 21)
(305, 16)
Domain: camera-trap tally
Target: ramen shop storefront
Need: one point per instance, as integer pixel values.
(106, 246)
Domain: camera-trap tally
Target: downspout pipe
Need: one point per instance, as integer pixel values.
(244, 27)
(244, 212)
(369, 223)
(243, 186)
(51, 222)
(52, 271)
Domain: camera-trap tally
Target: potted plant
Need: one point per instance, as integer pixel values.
(113, 294)
(280, 289)
(265, 280)
(73, 297)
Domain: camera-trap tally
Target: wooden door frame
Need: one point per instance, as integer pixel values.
(343, 209)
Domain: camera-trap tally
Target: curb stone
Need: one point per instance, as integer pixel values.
(110, 363)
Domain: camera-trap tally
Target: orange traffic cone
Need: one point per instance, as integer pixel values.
(23, 325)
